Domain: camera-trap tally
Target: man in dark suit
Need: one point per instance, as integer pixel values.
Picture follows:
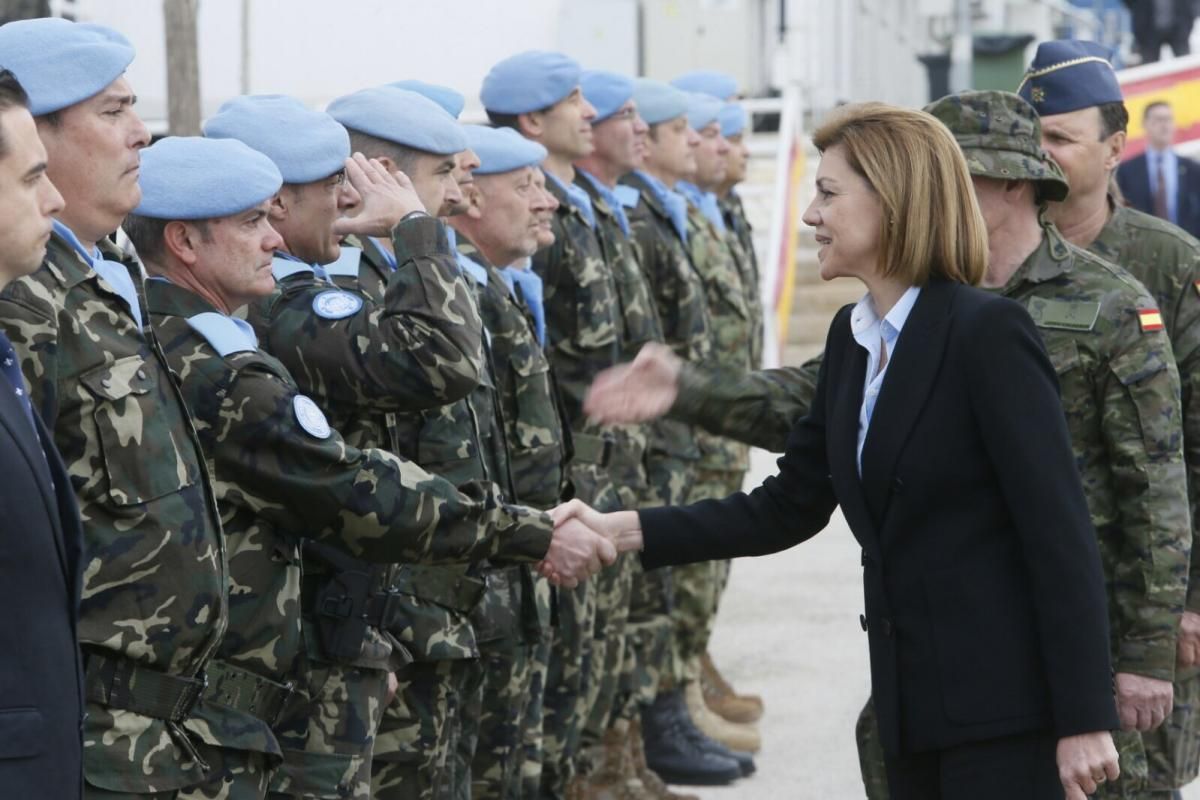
(1160, 181)
(1159, 22)
(41, 706)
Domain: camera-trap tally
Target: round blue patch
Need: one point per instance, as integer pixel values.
(310, 417)
(336, 304)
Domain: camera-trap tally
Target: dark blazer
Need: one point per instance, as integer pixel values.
(41, 705)
(1133, 176)
(985, 601)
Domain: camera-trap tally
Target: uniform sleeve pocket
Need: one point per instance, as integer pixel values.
(1153, 387)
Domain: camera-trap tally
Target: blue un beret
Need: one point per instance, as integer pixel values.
(659, 102)
(1069, 74)
(732, 118)
(529, 81)
(190, 177)
(306, 145)
(60, 63)
(502, 149)
(444, 96)
(720, 85)
(400, 116)
(703, 110)
(606, 91)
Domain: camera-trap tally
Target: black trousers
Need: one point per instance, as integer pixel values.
(1014, 767)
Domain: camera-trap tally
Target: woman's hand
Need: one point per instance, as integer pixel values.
(621, 529)
(1086, 761)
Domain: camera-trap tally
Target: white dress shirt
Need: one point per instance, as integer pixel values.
(874, 335)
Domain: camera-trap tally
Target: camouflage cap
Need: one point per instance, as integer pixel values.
(1001, 136)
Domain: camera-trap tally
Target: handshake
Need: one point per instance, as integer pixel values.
(586, 540)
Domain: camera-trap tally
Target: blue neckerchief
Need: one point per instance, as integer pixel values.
(627, 195)
(346, 265)
(476, 272)
(706, 202)
(673, 202)
(610, 198)
(226, 334)
(114, 273)
(577, 197)
(388, 256)
(285, 265)
(531, 292)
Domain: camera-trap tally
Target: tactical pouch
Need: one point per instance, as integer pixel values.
(339, 607)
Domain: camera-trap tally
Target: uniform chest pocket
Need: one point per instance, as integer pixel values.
(597, 312)
(144, 456)
(535, 418)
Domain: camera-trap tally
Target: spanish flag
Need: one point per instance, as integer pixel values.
(1150, 320)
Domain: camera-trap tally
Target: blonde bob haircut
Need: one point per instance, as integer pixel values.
(931, 226)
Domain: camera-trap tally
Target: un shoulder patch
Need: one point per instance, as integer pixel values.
(1064, 314)
(336, 304)
(310, 417)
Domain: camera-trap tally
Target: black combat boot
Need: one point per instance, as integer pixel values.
(745, 761)
(671, 751)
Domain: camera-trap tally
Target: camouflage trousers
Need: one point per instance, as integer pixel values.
(532, 735)
(420, 731)
(613, 588)
(327, 732)
(494, 719)
(564, 708)
(234, 775)
(649, 662)
(1173, 751)
(698, 587)
(1130, 786)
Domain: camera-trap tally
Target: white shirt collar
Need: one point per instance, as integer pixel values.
(864, 321)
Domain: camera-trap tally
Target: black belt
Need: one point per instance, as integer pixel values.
(122, 683)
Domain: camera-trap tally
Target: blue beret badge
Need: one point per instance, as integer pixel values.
(310, 417)
(336, 304)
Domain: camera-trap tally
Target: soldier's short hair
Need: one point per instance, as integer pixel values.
(931, 225)
(12, 95)
(374, 147)
(146, 235)
(1113, 117)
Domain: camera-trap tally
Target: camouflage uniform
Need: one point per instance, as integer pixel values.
(583, 332)
(1167, 261)
(154, 598)
(741, 244)
(420, 728)
(723, 462)
(280, 476)
(677, 291)
(414, 345)
(627, 469)
(538, 442)
(511, 623)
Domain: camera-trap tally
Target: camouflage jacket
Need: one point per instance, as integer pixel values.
(678, 292)
(1120, 390)
(639, 325)
(281, 474)
(154, 571)
(741, 245)
(583, 336)
(1167, 262)
(729, 325)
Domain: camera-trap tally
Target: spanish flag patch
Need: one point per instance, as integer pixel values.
(1150, 320)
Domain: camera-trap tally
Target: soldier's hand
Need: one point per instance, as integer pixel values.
(1142, 702)
(642, 390)
(393, 685)
(1084, 762)
(386, 198)
(576, 553)
(1188, 644)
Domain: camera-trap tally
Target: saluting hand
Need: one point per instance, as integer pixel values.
(387, 197)
(642, 390)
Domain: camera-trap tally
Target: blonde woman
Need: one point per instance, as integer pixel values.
(937, 429)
